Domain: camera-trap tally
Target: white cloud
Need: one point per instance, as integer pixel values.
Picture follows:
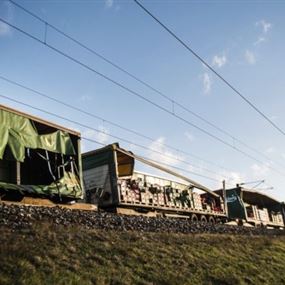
(4, 29)
(189, 136)
(207, 83)
(101, 137)
(259, 170)
(259, 41)
(163, 155)
(85, 98)
(109, 3)
(190, 168)
(89, 134)
(219, 61)
(6, 11)
(266, 26)
(250, 57)
(232, 178)
(270, 150)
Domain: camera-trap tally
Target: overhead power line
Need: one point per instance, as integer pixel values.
(237, 92)
(162, 94)
(130, 91)
(112, 123)
(110, 135)
(152, 160)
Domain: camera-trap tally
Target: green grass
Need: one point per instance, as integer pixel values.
(47, 254)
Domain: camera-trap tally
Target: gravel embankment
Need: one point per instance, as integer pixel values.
(18, 216)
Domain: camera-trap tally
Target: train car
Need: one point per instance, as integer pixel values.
(112, 183)
(253, 207)
(38, 158)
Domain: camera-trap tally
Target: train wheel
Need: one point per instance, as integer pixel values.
(212, 220)
(203, 219)
(194, 218)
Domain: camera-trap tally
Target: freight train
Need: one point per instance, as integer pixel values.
(40, 159)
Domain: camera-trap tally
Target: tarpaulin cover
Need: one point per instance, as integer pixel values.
(236, 209)
(67, 186)
(19, 133)
(58, 141)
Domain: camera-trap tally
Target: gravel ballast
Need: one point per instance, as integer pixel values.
(20, 216)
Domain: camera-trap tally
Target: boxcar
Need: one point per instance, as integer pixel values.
(38, 158)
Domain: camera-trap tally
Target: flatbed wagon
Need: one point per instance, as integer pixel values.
(112, 183)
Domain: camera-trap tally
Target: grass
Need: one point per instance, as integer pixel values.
(47, 254)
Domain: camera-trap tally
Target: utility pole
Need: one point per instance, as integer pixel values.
(225, 197)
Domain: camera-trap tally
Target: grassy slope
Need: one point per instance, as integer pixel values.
(59, 255)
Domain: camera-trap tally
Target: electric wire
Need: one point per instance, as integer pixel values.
(158, 162)
(211, 68)
(130, 91)
(108, 121)
(110, 135)
(171, 100)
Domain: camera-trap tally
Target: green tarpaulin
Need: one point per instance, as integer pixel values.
(67, 186)
(58, 141)
(19, 133)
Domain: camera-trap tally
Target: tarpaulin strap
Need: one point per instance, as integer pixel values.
(40, 155)
(54, 179)
(76, 169)
(46, 158)
(63, 165)
(50, 170)
(48, 162)
(72, 164)
(73, 167)
(49, 166)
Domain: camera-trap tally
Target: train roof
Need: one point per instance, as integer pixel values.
(39, 120)
(254, 197)
(251, 195)
(109, 147)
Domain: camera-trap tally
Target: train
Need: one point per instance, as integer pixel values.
(42, 160)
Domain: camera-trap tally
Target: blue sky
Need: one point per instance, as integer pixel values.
(242, 40)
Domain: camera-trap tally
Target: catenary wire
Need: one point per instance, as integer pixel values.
(261, 113)
(110, 135)
(158, 162)
(130, 91)
(171, 100)
(108, 121)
